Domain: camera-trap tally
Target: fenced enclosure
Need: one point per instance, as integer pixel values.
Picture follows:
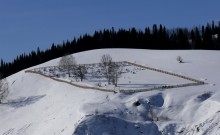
(134, 78)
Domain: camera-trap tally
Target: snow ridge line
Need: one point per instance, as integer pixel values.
(195, 81)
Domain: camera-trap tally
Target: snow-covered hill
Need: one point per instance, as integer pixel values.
(40, 106)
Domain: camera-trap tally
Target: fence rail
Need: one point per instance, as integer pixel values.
(195, 81)
(71, 83)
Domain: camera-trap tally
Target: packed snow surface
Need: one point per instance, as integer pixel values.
(41, 106)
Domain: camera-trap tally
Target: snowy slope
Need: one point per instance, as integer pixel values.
(41, 106)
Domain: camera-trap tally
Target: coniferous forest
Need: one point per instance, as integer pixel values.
(158, 37)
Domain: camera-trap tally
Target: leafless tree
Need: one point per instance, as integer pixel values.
(80, 72)
(106, 63)
(67, 63)
(111, 70)
(3, 89)
(179, 59)
(115, 72)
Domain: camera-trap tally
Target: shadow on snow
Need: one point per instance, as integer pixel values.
(24, 101)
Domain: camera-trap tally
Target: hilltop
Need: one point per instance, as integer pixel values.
(38, 105)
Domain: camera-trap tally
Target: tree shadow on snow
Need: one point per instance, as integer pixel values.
(24, 101)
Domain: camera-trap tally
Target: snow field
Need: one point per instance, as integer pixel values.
(40, 106)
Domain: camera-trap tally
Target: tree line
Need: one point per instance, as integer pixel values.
(158, 37)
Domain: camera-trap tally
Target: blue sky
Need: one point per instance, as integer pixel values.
(28, 24)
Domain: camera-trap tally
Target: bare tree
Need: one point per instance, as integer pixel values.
(3, 89)
(67, 63)
(106, 62)
(115, 72)
(179, 59)
(80, 72)
(111, 70)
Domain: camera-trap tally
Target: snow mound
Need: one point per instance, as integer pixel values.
(104, 125)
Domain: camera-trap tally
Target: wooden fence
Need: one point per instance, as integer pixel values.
(71, 83)
(195, 81)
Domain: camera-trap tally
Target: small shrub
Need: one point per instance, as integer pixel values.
(179, 59)
(137, 103)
